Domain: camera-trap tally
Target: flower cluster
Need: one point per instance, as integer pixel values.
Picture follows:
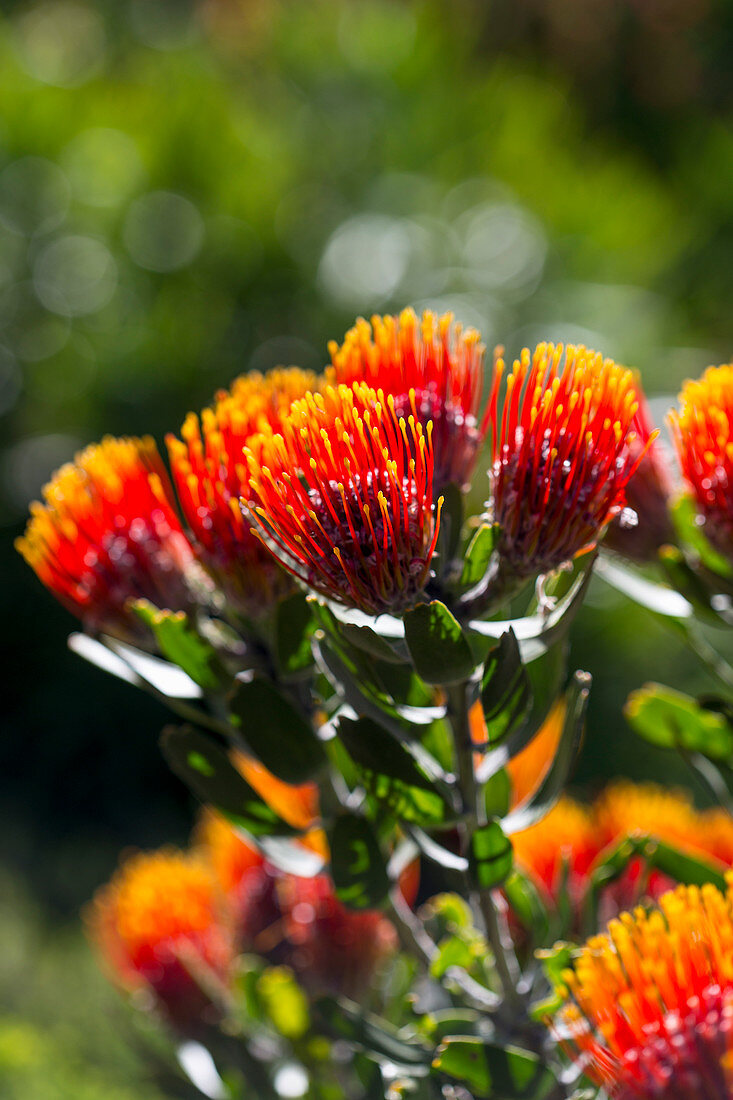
(649, 1012)
(338, 478)
(569, 840)
(172, 923)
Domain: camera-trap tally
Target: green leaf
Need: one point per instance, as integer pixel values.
(357, 865)
(366, 639)
(437, 645)
(275, 731)
(491, 855)
(503, 1073)
(205, 767)
(284, 1001)
(505, 690)
(498, 794)
(294, 626)
(180, 643)
(344, 1020)
(391, 774)
(675, 721)
(478, 555)
(455, 951)
(682, 866)
(654, 597)
(525, 901)
(552, 785)
(554, 961)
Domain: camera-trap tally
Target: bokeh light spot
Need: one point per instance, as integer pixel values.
(365, 260)
(75, 275)
(163, 231)
(61, 43)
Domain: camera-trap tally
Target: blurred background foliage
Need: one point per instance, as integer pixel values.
(192, 190)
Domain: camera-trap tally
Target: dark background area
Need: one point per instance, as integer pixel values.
(189, 191)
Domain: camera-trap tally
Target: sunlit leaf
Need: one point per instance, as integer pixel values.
(440, 652)
(672, 720)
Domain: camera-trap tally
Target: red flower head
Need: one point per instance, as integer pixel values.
(159, 925)
(108, 533)
(434, 371)
(295, 921)
(649, 1014)
(210, 474)
(703, 435)
(343, 497)
(561, 454)
(332, 949)
(648, 494)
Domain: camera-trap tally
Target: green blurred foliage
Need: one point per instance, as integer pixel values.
(191, 190)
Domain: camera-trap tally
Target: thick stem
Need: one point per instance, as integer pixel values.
(505, 961)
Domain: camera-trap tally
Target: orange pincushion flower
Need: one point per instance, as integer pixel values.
(626, 808)
(561, 455)
(434, 371)
(160, 923)
(650, 1003)
(703, 435)
(343, 497)
(108, 533)
(648, 494)
(210, 473)
(565, 836)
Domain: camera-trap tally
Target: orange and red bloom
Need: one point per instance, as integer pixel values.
(571, 839)
(703, 436)
(649, 1012)
(108, 533)
(343, 496)
(561, 455)
(434, 371)
(160, 925)
(210, 474)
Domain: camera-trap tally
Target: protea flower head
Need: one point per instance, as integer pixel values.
(579, 834)
(645, 524)
(561, 455)
(293, 921)
(160, 926)
(108, 533)
(210, 474)
(343, 496)
(649, 1012)
(434, 371)
(560, 848)
(703, 436)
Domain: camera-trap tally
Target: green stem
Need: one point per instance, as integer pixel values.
(505, 962)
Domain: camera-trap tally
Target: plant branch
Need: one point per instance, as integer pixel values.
(505, 962)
